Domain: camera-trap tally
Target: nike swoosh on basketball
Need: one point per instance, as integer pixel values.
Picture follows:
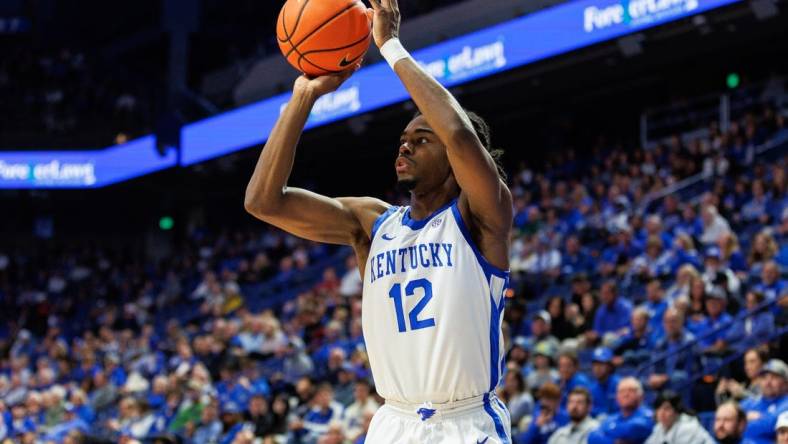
(345, 62)
(483, 441)
(387, 236)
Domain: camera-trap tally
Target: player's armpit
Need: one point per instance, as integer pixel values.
(315, 217)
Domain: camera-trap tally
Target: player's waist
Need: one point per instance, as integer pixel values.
(428, 410)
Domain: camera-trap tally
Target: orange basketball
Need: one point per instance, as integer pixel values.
(321, 37)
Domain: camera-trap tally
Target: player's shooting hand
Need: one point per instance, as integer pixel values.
(385, 20)
(319, 86)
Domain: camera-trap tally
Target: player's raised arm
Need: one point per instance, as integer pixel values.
(301, 212)
(474, 168)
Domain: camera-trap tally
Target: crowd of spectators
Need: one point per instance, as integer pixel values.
(622, 315)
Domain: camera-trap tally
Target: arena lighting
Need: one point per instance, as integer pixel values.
(495, 49)
(166, 223)
(732, 80)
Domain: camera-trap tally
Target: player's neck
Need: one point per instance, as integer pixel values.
(424, 203)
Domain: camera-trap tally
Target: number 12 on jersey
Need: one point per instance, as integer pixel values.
(413, 316)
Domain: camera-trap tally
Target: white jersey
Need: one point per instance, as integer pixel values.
(432, 309)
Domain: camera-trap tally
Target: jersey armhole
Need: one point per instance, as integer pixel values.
(488, 268)
(379, 221)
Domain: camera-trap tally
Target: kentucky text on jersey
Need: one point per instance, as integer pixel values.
(429, 255)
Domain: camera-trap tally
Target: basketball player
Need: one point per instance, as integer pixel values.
(434, 272)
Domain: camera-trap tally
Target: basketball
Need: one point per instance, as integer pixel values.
(321, 37)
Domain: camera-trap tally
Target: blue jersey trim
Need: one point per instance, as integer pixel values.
(419, 224)
(495, 334)
(489, 269)
(379, 221)
(496, 419)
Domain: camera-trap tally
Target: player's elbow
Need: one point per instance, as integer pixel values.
(258, 206)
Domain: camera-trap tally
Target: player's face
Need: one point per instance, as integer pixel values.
(421, 158)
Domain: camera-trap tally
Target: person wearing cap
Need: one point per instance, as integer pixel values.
(548, 416)
(543, 371)
(675, 423)
(716, 272)
(605, 382)
(581, 423)
(762, 411)
(232, 421)
(781, 429)
(632, 424)
(711, 329)
(541, 326)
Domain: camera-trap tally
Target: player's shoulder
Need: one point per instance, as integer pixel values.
(365, 204)
(366, 210)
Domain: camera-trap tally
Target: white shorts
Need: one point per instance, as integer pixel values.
(480, 420)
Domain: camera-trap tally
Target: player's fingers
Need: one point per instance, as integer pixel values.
(376, 5)
(370, 14)
(386, 4)
(393, 4)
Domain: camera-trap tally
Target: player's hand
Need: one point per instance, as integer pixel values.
(319, 86)
(385, 20)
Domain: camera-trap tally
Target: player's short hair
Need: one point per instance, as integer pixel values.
(582, 391)
(483, 132)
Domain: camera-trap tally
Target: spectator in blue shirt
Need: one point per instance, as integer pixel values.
(210, 428)
(575, 260)
(605, 382)
(655, 305)
(762, 411)
(547, 418)
(676, 352)
(323, 410)
(636, 346)
(570, 377)
(754, 328)
(711, 341)
(771, 285)
(757, 209)
(612, 316)
(633, 423)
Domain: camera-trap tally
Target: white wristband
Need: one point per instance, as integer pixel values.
(393, 51)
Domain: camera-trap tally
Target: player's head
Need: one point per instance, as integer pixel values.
(422, 163)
